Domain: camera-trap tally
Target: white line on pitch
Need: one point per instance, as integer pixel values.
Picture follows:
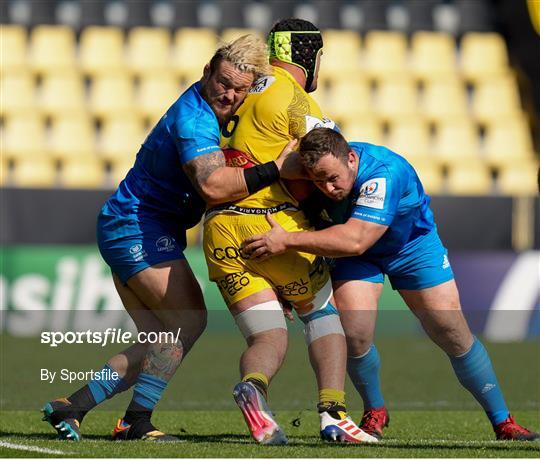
(43, 450)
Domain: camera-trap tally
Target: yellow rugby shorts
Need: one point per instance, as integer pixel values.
(296, 276)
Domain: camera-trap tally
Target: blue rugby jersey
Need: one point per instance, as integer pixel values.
(157, 185)
(387, 191)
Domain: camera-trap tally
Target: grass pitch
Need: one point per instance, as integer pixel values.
(431, 414)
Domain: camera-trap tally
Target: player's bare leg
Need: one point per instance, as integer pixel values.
(357, 303)
(439, 311)
(179, 307)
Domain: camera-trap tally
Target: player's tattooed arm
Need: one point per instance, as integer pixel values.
(215, 182)
(162, 360)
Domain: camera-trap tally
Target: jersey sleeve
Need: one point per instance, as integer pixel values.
(198, 137)
(378, 198)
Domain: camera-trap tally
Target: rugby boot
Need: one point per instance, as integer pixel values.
(141, 429)
(63, 418)
(509, 430)
(260, 421)
(374, 421)
(342, 429)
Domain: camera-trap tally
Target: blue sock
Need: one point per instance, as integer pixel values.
(364, 373)
(106, 387)
(475, 372)
(147, 391)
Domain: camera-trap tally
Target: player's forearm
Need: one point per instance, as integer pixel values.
(223, 185)
(335, 241)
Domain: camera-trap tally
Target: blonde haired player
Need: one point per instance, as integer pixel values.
(277, 110)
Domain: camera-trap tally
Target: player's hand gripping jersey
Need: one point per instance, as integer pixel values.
(276, 110)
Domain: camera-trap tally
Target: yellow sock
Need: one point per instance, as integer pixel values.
(259, 380)
(334, 400)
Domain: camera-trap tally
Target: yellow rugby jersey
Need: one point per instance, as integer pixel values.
(277, 110)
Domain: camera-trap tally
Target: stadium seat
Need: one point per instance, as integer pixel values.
(496, 98)
(24, 135)
(348, 98)
(366, 129)
(148, 50)
(469, 178)
(443, 99)
(156, 94)
(18, 93)
(192, 49)
(13, 48)
(52, 49)
(101, 50)
(507, 142)
(456, 142)
(231, 34)
(72, 136)
(430, 175)
(119, 169)
(83, 172)
(111, 96)
(433, 55)
(34, 171)
(395, 98)
(519, 179)
(341, 59)
(411, 139)
(483, 55)
(121, 138)
(385, 54)
(62, 94)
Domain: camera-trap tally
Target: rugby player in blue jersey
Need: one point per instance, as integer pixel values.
(142, 234)
(388, 230)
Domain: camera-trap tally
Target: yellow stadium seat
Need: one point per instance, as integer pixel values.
(156, 94)
(192, 49)
(341, 55)
(35, 171)
(231, 34)
(385, 54)
(456, 141)
(121, 138)
(519, 179)
(496, 98)
(396, 98)
(410, 138)
(119, 170)
(430, 175)
(18, 92)
(443, 99)
(24, 136)
(149, 50)
(483, 55)
(348, 98)
(62, 94)
(469, 178)
(366, 129)
(102, 50)
(12, 48)
(83, 172)
(433, 55)
(72, 136)
(111, 96)
(52, 49)
(508, 141)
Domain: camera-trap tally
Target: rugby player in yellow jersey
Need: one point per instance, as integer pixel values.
(277, 110)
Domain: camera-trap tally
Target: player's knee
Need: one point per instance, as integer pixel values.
(357, 345)
(261, 319)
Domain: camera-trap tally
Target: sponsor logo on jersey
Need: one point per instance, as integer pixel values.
(262, 84)
(165, 244)
(314, 122)
(372, 193)
(138, 252)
